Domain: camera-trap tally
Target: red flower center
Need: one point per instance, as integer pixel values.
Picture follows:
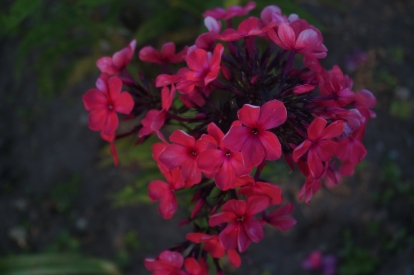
(255, 131)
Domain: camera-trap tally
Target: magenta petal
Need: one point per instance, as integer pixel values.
(230, 35)
(315, 164)
(253, 152)
(283, 223)
(175, 259)
(111, 124)
(335, 129)
(281, 211)
(105, 65)
(301, 149)
(272, 114)
(271, 145)
(254, 230)
(150, 55)
(173, 156)
(158, 190)
(114, 86)
(168, 206)
(249, 115)
(228, 237)
(210, 160)
(236, 137)
(307, 39)
(190, 172)
(167, 51)
(97, 119)
(220, 218)
(182, 138)
(94, 99)
(275, 38)
(238, 207)
(287, 36)
(234, 258)
(326, 149)
(124, 103)
(337, 78)
(256, 204)
(198, 60)
(214, 131)
(316, 128)
(225, 177)
(236, 161)
(243, 240)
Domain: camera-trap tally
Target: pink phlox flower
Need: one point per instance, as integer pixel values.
(317, 261)
(300, 37)
(118, 62)
(214, 247)
(319, 145)
(249, 27)
(167, 263)
(152, 123)
(222, 164)
(204, 68)
(280, 218)
(351, 151)
(242, 228)
(365, 99)
(167, 54)
(253, 139)
(184, 152)
(104, 103)
(195, 268)
(260, 188)
(338, 85)
(272, 16)
(310, 187)
(331, 175)
(220, 13)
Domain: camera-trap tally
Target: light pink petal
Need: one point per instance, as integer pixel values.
(301, 149)
(316, 128)
(150, 55)
(212, 24)
(266, 14)
(287, 36)
(272, 114)
(307, 40)
(271, 145)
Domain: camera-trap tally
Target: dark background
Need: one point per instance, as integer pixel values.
(59, 192)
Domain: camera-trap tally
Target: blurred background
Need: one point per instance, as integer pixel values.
(64, 208)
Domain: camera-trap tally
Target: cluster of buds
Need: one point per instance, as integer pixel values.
(239, 101)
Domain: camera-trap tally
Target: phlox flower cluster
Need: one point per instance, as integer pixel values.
(239, 98)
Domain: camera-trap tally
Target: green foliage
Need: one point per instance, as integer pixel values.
(402, 109)
(357, 260)
(65, 242)
(65, 192)
(56, 264)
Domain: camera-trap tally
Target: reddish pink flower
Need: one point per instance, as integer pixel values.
(319, 144)
(220, 13)
(280, 219)
(255, 141)
(222, 164)
(206, 40)
(259, 188)
(339, 86)
(184, 152)
(167, 54)
(195, 268)
(250, 26)
(300, 37)
(119, 60)
(167, 263)
(103, 104)
(310, 187)
(204, 68)
(243, 228)
(152, 123)
(351, 151)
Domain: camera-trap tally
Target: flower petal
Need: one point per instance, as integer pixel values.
(272, 114)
